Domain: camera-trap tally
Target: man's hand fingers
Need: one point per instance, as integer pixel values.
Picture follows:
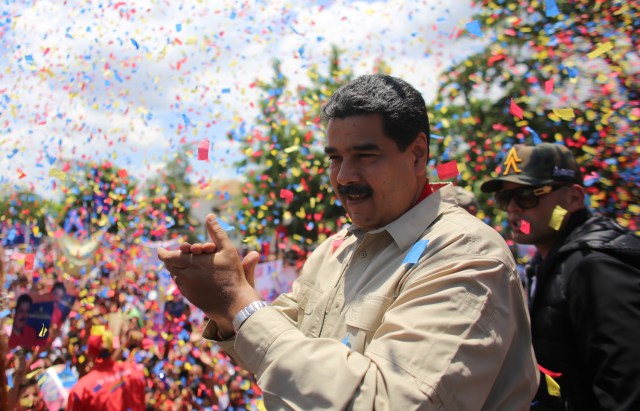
(208, 248)
(174, 259)
(218, 235)
(249, 263)
(196, 248)
(185, 247)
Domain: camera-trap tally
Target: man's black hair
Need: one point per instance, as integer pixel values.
(402, 107)
(24, 298)
(60, 285)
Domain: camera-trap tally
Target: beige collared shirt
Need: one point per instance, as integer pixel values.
(368, 328)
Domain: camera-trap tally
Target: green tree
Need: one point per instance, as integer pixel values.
(541, 60)
(287, 183)
(96, 195)
(166, 209)
(24, 210)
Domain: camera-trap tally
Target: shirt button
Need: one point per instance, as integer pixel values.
(363, 254)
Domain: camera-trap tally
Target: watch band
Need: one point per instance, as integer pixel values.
(247, 312)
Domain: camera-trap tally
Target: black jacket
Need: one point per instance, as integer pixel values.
(585, 316)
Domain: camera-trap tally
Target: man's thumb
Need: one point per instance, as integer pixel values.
(249, 263)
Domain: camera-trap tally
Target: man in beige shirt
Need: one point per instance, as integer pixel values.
(417, 305)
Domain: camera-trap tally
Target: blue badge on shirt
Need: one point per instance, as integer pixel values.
(415, 253)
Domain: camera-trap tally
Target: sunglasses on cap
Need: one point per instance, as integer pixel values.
(525, 197)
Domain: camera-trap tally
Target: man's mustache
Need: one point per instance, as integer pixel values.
(355, 190)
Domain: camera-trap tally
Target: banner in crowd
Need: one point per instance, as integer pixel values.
(32, 321)
(274, 278)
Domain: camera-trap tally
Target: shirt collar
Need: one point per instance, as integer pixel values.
(408, 228)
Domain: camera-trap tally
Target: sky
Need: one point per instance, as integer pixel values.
(132, 81)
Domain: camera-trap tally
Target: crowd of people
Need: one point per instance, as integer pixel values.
(129, 341)
(417, 304)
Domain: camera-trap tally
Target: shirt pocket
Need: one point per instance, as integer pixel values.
(308, 301)
(363, 318)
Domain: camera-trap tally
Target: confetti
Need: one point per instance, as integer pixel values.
(564, 113)
(448, 170)
(557, 217)
(515, 110)
(203, 150)
(602, 48)
(415, 253)
(474, 28)
(525, 227)
(59, 174)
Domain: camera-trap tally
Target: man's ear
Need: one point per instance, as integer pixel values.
(575, 198)
(420, 150)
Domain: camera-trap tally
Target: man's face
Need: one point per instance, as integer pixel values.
(22, 314)
(373, 179)
(537, 218)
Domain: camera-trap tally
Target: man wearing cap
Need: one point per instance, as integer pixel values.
(584, 283)
(110, 385)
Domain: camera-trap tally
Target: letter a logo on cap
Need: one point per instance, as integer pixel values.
(511, 162)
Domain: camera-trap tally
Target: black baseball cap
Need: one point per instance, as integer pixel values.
(537, 165)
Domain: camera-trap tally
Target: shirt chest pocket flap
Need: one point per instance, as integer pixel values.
(366, 311)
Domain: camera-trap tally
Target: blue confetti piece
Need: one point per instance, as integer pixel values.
(551, 8)
(29, 58)
(536, 137)
(226, 226)
(5, 313)
(179, 27)
(186, 120)
(135, 44)
(474, 28)
(437, 137)
(416, 252)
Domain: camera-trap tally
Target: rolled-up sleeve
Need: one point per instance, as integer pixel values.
(450, 340)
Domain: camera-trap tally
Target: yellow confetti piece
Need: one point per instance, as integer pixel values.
(602, 48)
(552, 386)
(81, 359)
(557, 217)
(97, 330)
(564, 113)
(33, 374)
(589, 150)
(59, 174)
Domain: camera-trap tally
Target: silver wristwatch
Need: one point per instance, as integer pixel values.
(247, 312)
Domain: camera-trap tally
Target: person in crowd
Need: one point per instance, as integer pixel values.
(584, 282)
(110, 385)
(417, 305)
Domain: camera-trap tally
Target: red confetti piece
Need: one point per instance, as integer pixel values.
(550, 373)
(28, 261)
(203, 150)
(448, 170)
(515, 110)
(287, 195)
(525, 226)
(122, 173)
(548, 86)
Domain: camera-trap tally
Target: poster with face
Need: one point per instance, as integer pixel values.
(31, 321)
(63, 302)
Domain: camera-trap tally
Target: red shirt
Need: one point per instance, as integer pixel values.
(110, 386)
